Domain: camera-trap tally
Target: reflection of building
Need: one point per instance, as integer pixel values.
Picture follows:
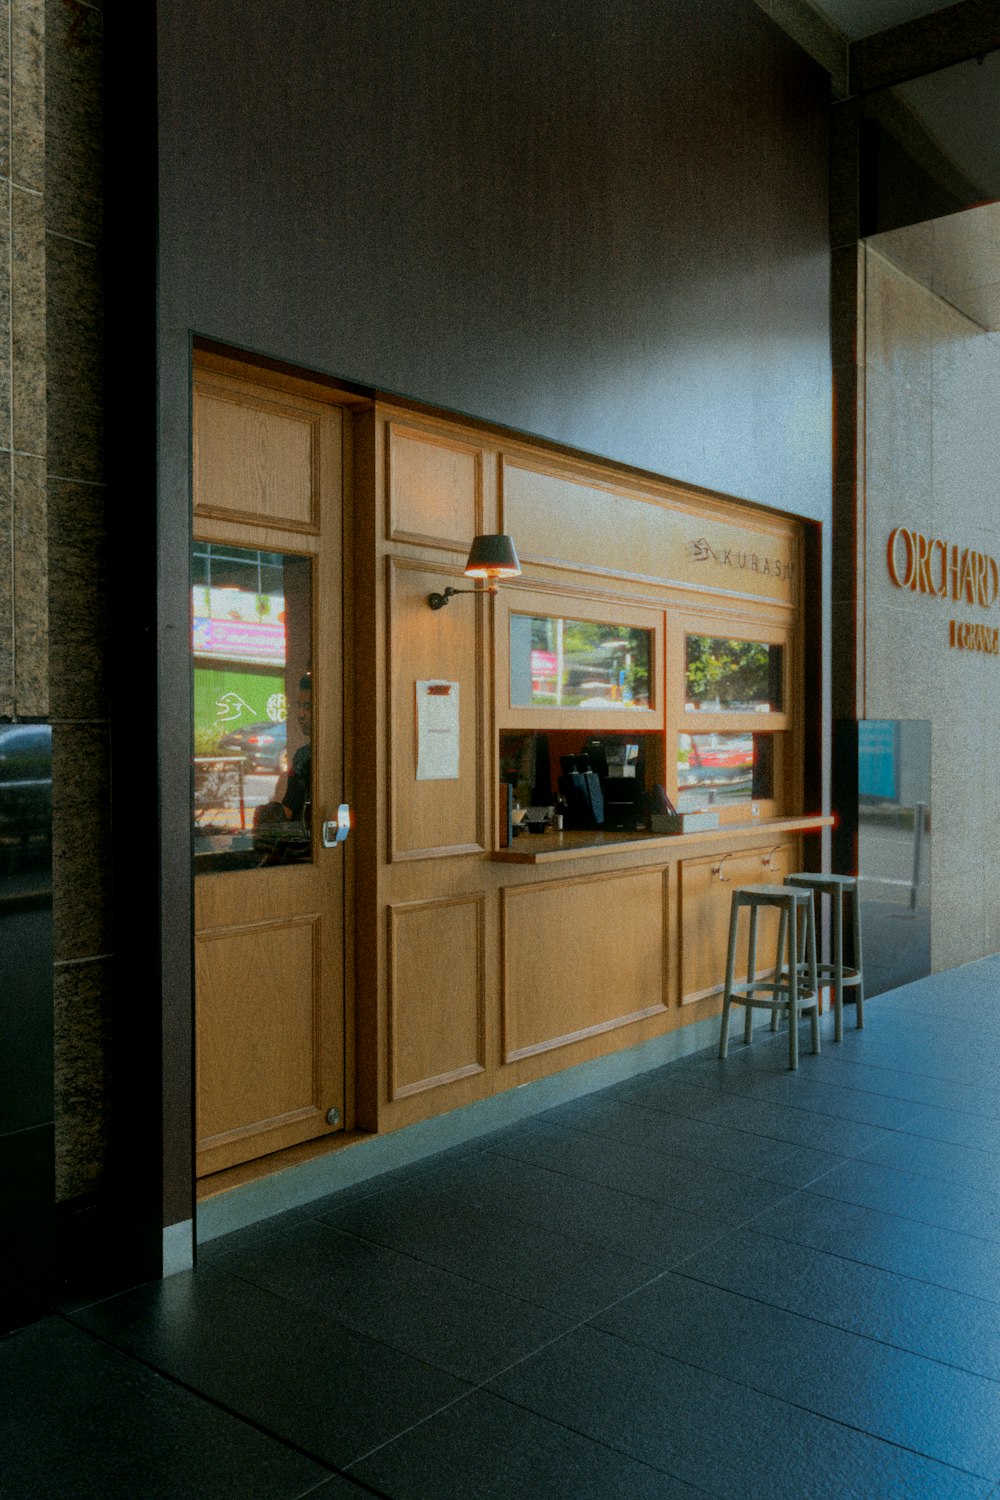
(623, 247)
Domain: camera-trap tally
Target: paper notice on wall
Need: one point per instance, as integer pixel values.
(437, 731)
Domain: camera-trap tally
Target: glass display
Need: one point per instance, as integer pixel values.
(718, 770)
(732, 676)
(251, 614)
(556, 663)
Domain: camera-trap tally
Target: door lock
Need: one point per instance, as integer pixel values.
(335, 830)
(333, 1116)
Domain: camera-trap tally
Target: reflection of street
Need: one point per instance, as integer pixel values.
(257, 789)
(894, 859)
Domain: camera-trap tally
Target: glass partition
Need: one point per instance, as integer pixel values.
(732, 676)
(559, 663)
(894, 845)
(252, 644)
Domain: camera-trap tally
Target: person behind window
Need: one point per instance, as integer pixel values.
(297, 788)
(276, 843)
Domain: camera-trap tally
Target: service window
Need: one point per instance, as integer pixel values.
(731, 720)
(564, 661)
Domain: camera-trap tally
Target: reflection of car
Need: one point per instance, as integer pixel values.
(717, 757)
(25, 785)
(262, 744)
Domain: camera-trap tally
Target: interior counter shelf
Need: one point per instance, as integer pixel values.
(545, 848)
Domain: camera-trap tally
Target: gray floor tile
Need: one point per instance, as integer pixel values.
(294, 1372)
(801, 1272)
(643, 1229)
(339, 1488)
(669, 1091)
(712, 1142)
(959, 1261)
(953, 1125)
(952, 1327)
(755, 1116)
(925, 1199)
(495, 1249)
(946, 1414)
(447, 1320)
(693, 1186)
(79, 1421)
(977, 1165)
(874, 1078)
(484, 1448)
(211, 1252)
(727, 1439)
(935, 1052)
(808, 1089)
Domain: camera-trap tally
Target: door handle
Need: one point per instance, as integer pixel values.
(335, 830)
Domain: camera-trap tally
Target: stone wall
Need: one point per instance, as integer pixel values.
(78, 592)
(931, 461)
(53, 583)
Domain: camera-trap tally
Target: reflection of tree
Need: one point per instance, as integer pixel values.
(206, 741)
(727, 670)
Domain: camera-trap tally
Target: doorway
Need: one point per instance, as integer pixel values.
(268, 775)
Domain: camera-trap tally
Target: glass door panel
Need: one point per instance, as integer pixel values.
(251, 640)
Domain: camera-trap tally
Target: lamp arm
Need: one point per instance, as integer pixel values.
(438, 601)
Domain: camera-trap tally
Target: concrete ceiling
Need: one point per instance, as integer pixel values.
(958, 109)
(860, 18)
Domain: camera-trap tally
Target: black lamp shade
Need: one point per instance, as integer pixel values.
(492, 557)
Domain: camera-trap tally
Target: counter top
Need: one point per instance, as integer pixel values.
(543, 848)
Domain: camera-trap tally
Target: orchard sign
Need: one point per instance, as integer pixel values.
(929, 565)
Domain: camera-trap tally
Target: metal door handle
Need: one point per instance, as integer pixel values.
(335, 830)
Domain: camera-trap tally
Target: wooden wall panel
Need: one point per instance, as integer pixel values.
(429, 818)
(436, 993)
(706, 887)
(580, 957)
(631, 536)
(260, 458)
(435, 489)
(254, 1070)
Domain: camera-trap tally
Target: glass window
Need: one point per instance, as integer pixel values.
(556, 663)
(718, 770)
(251, 632)
(732, 676)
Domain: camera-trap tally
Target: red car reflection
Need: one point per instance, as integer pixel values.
(718, 757)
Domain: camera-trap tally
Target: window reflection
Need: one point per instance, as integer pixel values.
(732, 676)
(251, 640)
(556, 663)
(718, 770)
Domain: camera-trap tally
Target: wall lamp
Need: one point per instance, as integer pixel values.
(490, 557)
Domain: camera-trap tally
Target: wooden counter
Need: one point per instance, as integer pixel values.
(543, 848)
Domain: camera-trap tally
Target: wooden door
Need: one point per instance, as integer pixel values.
(268, 659)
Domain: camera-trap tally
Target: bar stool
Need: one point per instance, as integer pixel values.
(794, 986)
(837, 887)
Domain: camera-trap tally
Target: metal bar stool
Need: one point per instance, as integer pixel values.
(838, 887)
(793, 988)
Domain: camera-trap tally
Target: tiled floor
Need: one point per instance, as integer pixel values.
(719, 1279)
